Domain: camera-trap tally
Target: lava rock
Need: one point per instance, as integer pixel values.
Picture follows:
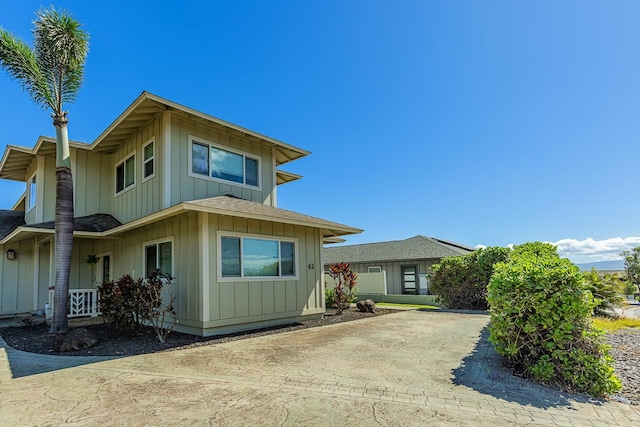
(76, 339)
(366, 306)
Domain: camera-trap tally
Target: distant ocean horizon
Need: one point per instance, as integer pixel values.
(602, 265)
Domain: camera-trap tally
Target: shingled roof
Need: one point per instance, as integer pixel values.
(414, 248)
(9, 221)
(94, 223)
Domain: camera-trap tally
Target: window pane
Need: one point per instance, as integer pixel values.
(151, 255)
(287, 258)
(120, 178)
(148, 151)
(165, 258)
(106, 268)
(32, 192)
(230, 257)
(129, 174)
(251, 170)
(260, 257)
(148, 168)
(200, 159)
(226, 165)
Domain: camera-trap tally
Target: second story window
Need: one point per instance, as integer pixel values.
(148, 161)
(33, 193)
(224, 164)
(126, 173)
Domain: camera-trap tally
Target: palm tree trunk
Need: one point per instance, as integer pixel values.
(63, 227)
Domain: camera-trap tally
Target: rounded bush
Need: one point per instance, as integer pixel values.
(541, 322)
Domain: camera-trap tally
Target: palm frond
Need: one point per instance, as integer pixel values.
(19, 60)
(61, 48)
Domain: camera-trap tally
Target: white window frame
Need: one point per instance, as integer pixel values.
(29, 195)
(157, 242)
(377, 268)
(241, 278)
(152, 159)
(244, 155)
(115, 174)
(100, 268)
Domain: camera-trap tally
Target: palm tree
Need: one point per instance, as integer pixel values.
(51, 73)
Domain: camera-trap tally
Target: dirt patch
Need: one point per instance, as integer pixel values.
(36, 338)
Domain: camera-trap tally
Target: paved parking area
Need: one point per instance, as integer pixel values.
(410, 368)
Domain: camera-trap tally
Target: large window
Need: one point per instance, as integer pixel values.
(33, 193)
(158, 256)
(148, 160)
(252, 257)
(126, 173)
(223, 164)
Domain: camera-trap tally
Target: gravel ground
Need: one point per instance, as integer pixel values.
(36, 339)
(625, 349)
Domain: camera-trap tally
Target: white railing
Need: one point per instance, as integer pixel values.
(82, 303)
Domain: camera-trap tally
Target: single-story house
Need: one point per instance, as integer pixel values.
(404, 262)
(169, 188)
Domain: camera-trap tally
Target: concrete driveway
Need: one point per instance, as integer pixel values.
(410, 368)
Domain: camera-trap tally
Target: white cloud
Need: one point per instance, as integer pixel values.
(480, 246)
(589, 250)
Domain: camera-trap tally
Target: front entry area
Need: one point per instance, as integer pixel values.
(409, 279)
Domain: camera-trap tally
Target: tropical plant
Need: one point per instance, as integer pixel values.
(92, 261)
(344, 290)
(541, 322)
(51, 73)
(632, 265)
(461, 281)
(607, 291)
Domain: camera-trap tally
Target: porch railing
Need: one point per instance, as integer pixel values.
(82, 303)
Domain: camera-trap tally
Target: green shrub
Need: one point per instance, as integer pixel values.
(541, 322)
(607, 290)
(344, 290)
(461, 281)
(329, 295)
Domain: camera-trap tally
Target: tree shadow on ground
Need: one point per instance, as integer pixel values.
(483, 371)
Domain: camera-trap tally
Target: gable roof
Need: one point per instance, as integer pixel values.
(145, 109)
(414, 248)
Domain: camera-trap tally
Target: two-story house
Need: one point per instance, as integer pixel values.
(170, 188)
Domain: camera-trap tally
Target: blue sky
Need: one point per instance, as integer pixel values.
(492, 122)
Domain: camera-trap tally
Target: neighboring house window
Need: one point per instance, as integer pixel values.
(376, 269)
(33, 193)
(158, 256)
(224, 164)
(250, 257)
(148, 160)
(126, 173)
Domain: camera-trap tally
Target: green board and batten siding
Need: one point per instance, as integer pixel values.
(143, 198)
(185, 187)
(246, 302)
(12, 272)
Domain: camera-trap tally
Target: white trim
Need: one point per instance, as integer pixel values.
(36, 272)
(30, 207)
(274, 179)
(101, 264)
(157, 242)
(204, 266)
(152, 159)
(115, 174)
(220, 234)
(202, 141)
(166, 156)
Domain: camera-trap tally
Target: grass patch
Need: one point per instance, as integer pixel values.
(394, 304)
(612, 325)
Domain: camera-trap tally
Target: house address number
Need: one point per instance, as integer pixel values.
(311, 266)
